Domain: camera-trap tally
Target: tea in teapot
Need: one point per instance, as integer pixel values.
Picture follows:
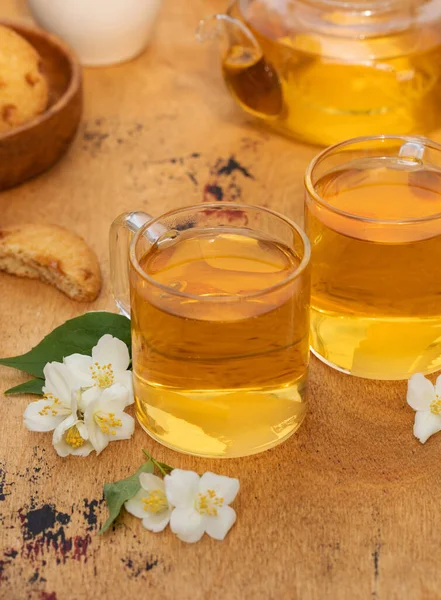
(327, 70)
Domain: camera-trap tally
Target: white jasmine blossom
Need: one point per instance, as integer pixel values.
(84, 400)
(107, 365)
(425, 399)
(105, 419)
(71, 436)
(150, 504)
(55, 407)
(201, 504)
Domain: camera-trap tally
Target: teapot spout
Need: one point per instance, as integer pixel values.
(251, 79)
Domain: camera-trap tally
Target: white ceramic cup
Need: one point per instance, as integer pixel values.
(101, 32)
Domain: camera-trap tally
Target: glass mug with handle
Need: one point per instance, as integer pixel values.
(219, 303)
(373, 216)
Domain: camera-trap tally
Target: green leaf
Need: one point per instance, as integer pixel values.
(76, 335)
(33, 386)
(119, 492)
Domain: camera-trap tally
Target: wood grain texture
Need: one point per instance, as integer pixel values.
(347, 509)
(35, 146)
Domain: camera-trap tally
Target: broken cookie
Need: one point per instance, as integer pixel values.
(53, 254)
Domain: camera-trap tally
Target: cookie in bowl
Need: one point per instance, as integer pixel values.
(24, 90)
(34, 146)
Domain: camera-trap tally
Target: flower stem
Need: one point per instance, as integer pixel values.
(157, 464)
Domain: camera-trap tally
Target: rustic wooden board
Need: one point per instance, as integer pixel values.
(346, 509)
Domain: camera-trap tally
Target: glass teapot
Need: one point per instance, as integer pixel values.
(328, 70)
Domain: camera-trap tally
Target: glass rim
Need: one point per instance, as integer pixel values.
(310, 187)
(230, 297)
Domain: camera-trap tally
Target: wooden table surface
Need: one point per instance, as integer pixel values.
(346, 509)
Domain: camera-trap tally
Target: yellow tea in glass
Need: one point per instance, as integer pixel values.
(220, 329)
(373, 217)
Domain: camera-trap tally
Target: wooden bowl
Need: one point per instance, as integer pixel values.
(35, 146)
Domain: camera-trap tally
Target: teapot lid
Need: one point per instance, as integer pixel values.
(279, 18)
(350, 5)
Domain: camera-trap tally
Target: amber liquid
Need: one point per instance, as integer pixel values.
(376, 287)
(220, 371)
(324, 89)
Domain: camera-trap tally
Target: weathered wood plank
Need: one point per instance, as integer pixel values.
(347, 509)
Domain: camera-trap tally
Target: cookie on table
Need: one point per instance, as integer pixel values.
(23, 88)
(53, 254)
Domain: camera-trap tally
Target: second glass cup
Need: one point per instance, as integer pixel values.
(373, 216)
(220, 325)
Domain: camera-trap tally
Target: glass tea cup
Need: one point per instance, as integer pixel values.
(219, 302)
(373, 216)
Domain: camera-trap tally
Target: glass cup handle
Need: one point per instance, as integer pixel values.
(122, 232)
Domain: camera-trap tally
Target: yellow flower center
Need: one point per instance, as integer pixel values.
(73, 437)
(155, 502)
(52, 407)
(107, 423)
(208, 504)
(102, 375)
(435, 407)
